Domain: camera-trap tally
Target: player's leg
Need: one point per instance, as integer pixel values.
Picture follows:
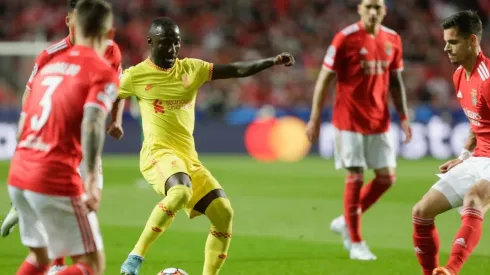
(33, 236)
(445, 194)
(425, 236)
(60, 263)
(476, 204)
(71, 231)
(178, 193)
(210, 199)
(176, 185)
(349, 154)
(381, 157)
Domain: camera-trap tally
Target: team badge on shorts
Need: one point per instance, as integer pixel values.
(474, 96)
(388, 48)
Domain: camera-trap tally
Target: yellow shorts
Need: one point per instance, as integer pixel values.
(158, 165)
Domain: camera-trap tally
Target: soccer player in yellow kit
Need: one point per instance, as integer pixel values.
(166, 88)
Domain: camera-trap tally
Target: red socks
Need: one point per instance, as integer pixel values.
(28, 268)
(375, 189)
(59, 261)
(426, 242)
(77, 269)
(467, 238)
(352, 205)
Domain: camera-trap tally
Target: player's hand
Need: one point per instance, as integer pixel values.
(93, 192)
(449, 165)
(407, 130)
(115, 130)
(312, 131)
(285, 59)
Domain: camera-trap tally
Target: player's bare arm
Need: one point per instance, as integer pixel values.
(248, 68)
(398, 93)
(466, 153)
(323, 82)
(115, 128)
(22, 118)
(93, 135)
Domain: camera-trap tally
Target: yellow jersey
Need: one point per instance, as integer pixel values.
(166, 99)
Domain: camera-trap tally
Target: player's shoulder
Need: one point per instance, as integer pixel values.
(483, 69)
(95, 64)
(57, 47)
(191, 61)
(350, 30)
(113, 47)
(53, 50)
(390, 33)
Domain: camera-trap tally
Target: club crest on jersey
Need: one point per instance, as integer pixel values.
(388, 48)
(474, 96)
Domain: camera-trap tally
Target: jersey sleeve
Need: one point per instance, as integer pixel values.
(115, 57)
(126, 88)
(41, 60)
(397, 64)
(103, 90)
(332, 59)
(203, 71)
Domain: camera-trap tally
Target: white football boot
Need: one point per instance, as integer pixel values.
(360, 251)
(339, 226)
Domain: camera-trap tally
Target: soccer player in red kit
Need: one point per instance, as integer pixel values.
(466, 179)
(366, 60)
(113, 56)
(64, 119)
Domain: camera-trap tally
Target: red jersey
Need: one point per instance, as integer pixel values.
(112, 54)
(363, 64)
(49, 151)
(474, 96)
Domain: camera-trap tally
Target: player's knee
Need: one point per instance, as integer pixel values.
(474, 198)
(422, 210)
(181, 193)
(39, 256)
(220, 213)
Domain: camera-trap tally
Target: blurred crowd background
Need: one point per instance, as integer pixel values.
(233, 30)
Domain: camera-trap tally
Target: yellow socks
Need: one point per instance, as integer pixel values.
(220, 214)
(162, 217)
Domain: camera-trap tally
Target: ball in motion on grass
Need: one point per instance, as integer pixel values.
(172, 271)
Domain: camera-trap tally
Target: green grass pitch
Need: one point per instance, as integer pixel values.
(281, 226)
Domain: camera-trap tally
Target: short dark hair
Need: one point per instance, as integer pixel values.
(467, 22)
(71, 5)
(164, 22)
(92, 16)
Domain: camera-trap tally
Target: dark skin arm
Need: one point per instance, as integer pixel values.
(248, 68)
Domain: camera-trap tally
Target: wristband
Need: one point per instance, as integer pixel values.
(465, 154)
(403, 117)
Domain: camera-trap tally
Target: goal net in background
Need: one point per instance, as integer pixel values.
(16, 63)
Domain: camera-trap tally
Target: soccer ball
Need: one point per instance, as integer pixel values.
(172, 271)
